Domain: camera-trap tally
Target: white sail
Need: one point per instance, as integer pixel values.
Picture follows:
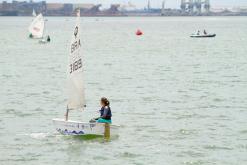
(37, 27)
(34, 13)
(76, 99)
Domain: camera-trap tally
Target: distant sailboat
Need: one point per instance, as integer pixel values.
(34, 13)
(36, 29)
(76, 93)
(163, 8)
(45, 40)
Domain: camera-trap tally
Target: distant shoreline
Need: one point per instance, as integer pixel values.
(136, 14)
(130, 16)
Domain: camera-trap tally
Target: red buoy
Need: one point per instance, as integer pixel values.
(139, 32)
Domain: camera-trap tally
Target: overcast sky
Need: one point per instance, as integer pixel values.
(154, 3)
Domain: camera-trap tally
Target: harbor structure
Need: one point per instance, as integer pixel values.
(195, 6)
(187, 8)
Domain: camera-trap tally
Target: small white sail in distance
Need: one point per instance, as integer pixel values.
(75, 84)
(34, 13)
(37, 26)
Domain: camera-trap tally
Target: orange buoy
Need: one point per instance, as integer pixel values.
(139, 32)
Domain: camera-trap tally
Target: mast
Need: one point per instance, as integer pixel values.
(67, 114)
(34, 13)
(149, 5)
(44, 31)
(163, 8)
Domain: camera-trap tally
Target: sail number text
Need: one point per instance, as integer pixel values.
(75, 66)
(74, 46)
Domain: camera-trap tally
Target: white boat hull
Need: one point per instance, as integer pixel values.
(202, 36)
(82, 128)
(43, 41)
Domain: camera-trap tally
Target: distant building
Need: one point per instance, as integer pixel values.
(58, 9)
(22, 8)
(195, 6)
(127, 7)
(84, 6)
(188, 7)
(52, 9)
(239, 9)
(87, 9)
(114, 10)
(54, 6)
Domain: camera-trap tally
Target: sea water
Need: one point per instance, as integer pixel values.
(179, 100)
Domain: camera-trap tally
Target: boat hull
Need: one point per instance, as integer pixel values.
(203, 36)
(82, 128)
(43, 42)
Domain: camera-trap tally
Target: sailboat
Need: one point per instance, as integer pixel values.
(47, 38)
(34, 13)
(163, 8)
(36, 29)
(76, 93)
